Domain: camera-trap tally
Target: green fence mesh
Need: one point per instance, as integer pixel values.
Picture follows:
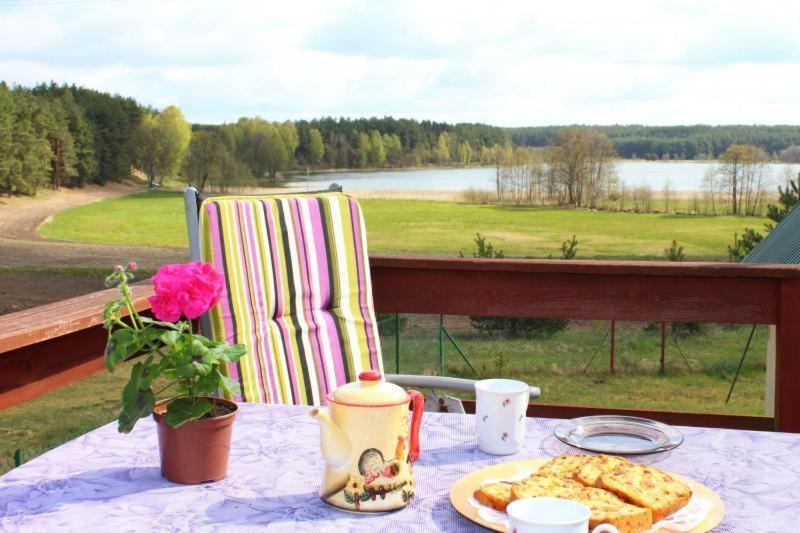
(674, 366)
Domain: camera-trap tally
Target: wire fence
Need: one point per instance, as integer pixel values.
(675, 366)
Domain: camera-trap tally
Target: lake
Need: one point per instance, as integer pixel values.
(683, 176)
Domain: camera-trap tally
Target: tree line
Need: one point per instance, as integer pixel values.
(64, 135)
(56, 136)
(259, 151)
(679, 142)
(577, 169)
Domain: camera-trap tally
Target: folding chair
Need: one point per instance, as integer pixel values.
(297, 294)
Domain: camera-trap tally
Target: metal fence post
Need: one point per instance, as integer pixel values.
(663, 345)
(441, 345)
(613, 338)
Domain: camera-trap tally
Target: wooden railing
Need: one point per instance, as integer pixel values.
(44, 348)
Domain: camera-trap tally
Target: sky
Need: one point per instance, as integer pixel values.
(503, 63)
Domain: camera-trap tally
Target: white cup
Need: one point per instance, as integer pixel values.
(551, 515)
(500, 406)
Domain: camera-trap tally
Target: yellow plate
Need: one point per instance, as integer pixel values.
(467, 485)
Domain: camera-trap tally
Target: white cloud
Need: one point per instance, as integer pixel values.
(508, 63)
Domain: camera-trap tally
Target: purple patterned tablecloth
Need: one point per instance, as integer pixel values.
(106, 481)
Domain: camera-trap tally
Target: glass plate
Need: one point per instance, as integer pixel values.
(618, 434)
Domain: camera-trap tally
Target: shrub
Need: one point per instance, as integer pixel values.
(387, 326)
(477, 196)
(674, 252)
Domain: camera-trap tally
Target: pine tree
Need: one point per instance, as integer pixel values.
(6, 129)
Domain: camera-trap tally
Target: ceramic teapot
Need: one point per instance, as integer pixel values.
(368, 444)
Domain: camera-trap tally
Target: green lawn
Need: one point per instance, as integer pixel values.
(433, 227)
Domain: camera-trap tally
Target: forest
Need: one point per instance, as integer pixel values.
(54, 135)
(679, 142)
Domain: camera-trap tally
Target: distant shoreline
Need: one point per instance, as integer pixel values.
(301, 172)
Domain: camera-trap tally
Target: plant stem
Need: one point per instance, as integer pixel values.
(121, 323)
(168, 385)
(126, 292)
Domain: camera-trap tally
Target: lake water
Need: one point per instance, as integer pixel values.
(683, 176)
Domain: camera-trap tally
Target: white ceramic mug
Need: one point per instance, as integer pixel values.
(551, 515)
(500, 406)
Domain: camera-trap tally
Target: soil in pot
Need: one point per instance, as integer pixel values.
(198, 451)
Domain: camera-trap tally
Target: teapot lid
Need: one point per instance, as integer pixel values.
(370, 390)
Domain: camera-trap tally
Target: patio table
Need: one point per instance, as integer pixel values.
(107, 481)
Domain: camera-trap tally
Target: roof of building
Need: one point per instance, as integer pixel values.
(781, 245)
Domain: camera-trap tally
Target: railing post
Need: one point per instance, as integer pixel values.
(397, 342)
(663, 346)
(787, 352)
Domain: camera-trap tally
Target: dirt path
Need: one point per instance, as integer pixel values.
(20, 246)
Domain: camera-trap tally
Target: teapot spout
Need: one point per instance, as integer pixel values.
(334, 442)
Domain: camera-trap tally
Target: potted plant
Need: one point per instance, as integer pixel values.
(194, 427)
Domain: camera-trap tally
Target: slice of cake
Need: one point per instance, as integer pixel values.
(647, 486)
(608, 508)
(494, 495)
(563, 465)
(596, 465)
(539, 485)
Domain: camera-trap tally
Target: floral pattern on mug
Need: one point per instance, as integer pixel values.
(504, 436)
(519, 419)
(485, 418)
(506, 402)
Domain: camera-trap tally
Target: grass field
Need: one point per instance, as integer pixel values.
(430, 227)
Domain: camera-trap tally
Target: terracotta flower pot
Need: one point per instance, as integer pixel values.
(198, 451)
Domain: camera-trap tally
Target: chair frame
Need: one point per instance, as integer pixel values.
(193, 199)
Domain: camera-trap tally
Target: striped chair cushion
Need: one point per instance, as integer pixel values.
(298, 293)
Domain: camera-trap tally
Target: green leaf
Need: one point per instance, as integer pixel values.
(170, 338)
(149, 373)
(136, 402)
(229, 353)
(183, 410)
(198, 348)
(207, 385)
(121, 344)
(229, 386)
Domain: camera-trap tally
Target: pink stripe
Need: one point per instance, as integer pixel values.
(336, 348)
(326, 292)
(279, 299)
(313, 330)
(362, 288)
(261, 321)
(244, 263)
(216, 250)
(317, 230)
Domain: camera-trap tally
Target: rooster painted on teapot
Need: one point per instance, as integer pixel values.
(369, 445)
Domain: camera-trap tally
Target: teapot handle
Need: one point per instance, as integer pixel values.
(417, 407)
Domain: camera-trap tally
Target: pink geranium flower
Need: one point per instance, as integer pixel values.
(185, 289)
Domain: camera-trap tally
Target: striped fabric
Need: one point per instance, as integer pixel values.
(298, 293)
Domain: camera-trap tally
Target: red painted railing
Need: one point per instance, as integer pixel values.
(49, 346)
